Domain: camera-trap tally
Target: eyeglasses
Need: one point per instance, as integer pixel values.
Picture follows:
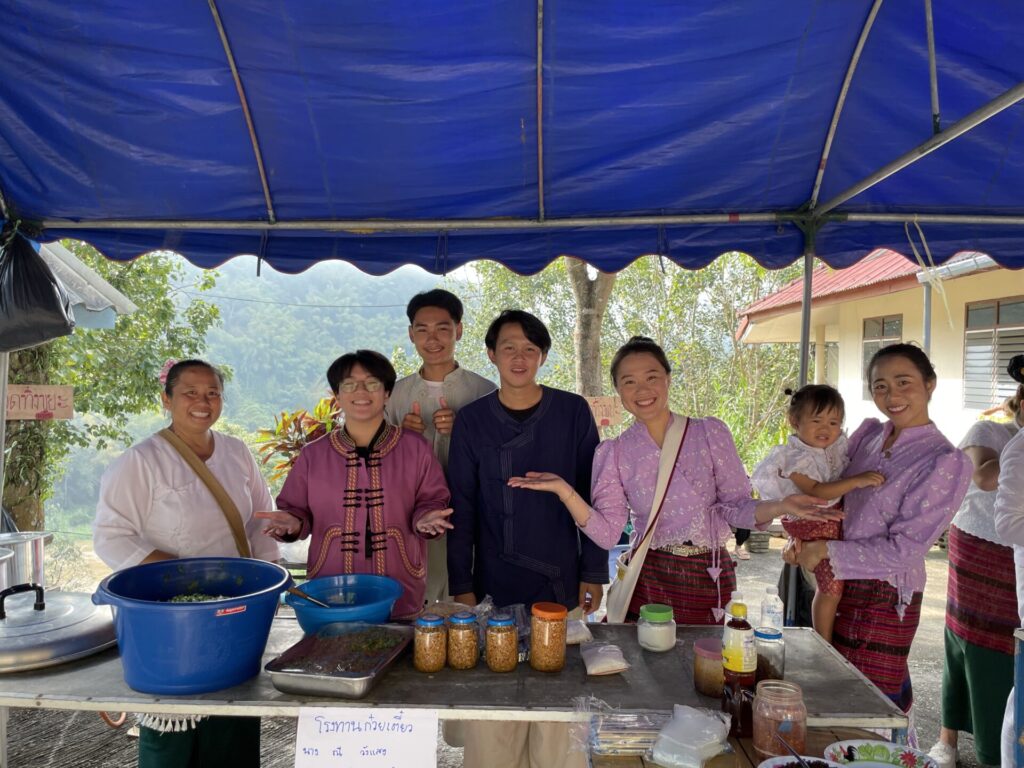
(351, 385)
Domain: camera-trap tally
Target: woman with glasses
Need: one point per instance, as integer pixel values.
(370, 494)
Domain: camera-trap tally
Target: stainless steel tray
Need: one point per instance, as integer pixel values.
(292, 672)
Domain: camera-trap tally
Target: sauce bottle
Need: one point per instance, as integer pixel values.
(739, 663)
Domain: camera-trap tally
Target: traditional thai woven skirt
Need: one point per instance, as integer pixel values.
(818, 530)
(872, 636)
(981, 599)
(685, 584)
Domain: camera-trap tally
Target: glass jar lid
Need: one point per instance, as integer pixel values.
(656, 612)
(429, 620)
(501, 620)
(768, 633)
(463, 617)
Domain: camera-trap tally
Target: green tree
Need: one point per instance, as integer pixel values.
(692, 314)
(114, 372)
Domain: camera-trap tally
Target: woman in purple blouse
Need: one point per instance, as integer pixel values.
(889, 529)
(687, 566)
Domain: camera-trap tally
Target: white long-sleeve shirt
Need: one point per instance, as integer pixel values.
(1009, 514)
(150, 499)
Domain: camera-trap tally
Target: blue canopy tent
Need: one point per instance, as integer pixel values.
(437, 133)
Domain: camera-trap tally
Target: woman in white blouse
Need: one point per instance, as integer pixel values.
(1009, 523)
(153, 506)
(981, 607)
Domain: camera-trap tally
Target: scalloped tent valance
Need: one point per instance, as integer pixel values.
(435, 133)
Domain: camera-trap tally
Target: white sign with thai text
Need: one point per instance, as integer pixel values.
(39, 402)
(607, 411)
(374, 738)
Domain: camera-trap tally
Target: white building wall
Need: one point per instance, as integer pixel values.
(947, 343)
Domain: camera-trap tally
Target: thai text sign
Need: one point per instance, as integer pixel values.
(39, 402)
(607, 410)
(370, 738)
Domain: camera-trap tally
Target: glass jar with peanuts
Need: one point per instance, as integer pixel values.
(501, 652)
(547, 637)
(463, 641)
(430, 643)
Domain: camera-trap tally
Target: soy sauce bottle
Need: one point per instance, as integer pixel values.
(739, 662)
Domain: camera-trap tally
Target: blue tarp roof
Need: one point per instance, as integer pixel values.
(425, 113)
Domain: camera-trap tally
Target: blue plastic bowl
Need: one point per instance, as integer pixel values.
(362, 597)
(182, 648)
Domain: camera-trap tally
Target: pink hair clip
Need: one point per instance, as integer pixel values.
(166, 369)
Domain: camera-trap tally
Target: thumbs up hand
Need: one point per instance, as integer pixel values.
(444, 418)
(413, 420)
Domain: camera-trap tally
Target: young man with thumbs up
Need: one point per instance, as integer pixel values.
(428, 401)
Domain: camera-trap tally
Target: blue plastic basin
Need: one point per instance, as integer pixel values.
(182, 648)
(365, 597)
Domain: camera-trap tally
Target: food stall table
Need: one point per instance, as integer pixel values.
(835, 693)
(743, 754)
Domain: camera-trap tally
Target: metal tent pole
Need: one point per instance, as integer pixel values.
(1004, 101)
(540, 110)
(933, 78)
(805, 345)
(841, 101)
(932, 218)
(362, 226)
(250, 125)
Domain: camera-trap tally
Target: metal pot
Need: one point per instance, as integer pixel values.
(6, 556)
(27, 565)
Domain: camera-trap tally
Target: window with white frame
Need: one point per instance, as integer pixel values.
(879, 332)
(993, 333)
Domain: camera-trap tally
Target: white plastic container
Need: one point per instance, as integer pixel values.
(773, 611)
(656, 630)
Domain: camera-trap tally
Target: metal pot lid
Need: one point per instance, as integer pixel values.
(70, 627)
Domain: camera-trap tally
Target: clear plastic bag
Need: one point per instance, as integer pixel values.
(691, 737)
(603, 658)
(577, 632)
(613, 731)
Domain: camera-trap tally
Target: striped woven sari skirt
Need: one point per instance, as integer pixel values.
(981, 599)
(685, 584)
(872, 637)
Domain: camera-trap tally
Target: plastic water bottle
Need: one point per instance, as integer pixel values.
(773, 612)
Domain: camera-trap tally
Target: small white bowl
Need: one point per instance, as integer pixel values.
(868, 752)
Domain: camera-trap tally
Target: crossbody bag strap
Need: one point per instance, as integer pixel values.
(671, 447)
(227, 506)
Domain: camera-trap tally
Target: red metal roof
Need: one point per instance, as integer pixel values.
(880, 266)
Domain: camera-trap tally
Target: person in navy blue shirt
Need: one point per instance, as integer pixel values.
(513, 544)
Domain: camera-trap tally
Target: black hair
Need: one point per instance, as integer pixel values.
(814, 399)
(175, 371)
(914, 354)
(374, 363)
(533, 329)
(638, 344)
(1015, 368)
(439, 298)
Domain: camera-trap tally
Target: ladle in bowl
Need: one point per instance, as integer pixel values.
(315, 601)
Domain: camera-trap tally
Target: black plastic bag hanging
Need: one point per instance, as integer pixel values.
(34, 307)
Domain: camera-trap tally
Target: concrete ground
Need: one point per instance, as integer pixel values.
(39, 738)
